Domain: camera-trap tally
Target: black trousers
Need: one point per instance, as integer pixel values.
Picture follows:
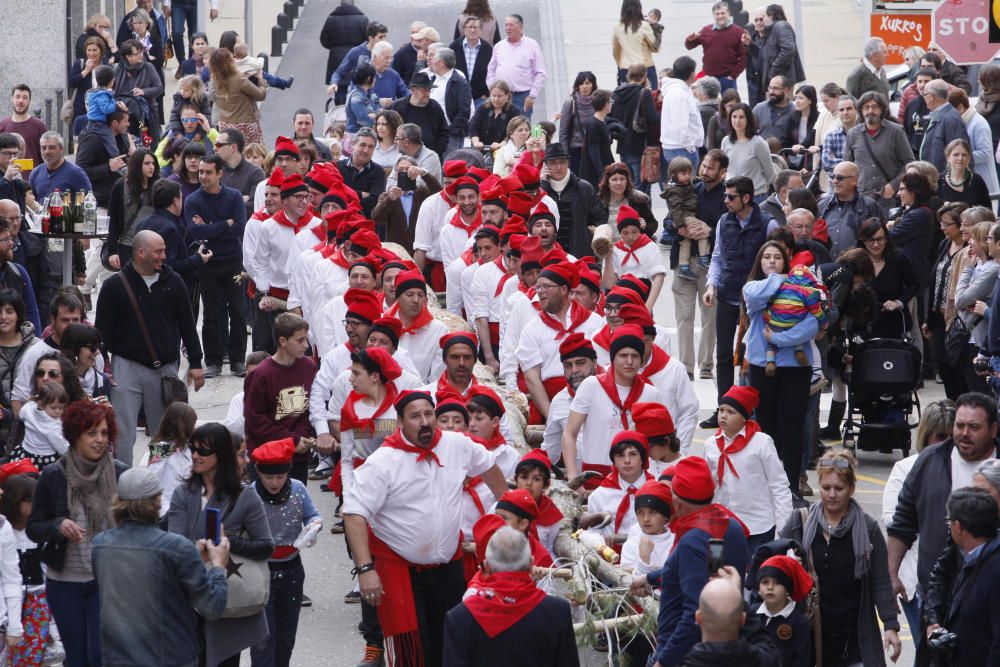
(263, 328)
(954, 381)
(435, 592)
(218, 292)
(284, 605)
(727, 319)
(784, 401)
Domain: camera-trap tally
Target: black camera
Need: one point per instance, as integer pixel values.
(716, 556)
(982, 366)
(943, 640)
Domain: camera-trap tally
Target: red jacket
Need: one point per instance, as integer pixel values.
(723, 51)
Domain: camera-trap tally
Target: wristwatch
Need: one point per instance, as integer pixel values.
(361, 569)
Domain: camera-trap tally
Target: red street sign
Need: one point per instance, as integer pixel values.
(961, 28)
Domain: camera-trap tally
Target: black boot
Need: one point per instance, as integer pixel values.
(832, 429)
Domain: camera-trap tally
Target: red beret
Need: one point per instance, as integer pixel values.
(510, 184)
(633, 437)
(742, 399)
(408, 280)
(364, 241)
(458, 338)
(653, 420)
(634, 283)
(363, 305)
(485, 398)
(482, 531)
(492, 194)
(293, 185)
(656, 496)
(627, 216)
(275, 457)
(557, 254)
(576, 345)
(449, 401)
(627, 335)
(531, 253)
(481, 175)
(637, 315)
(390, 326)
(536, 457)
(323, 177)
(624, 295)
(527, 174)
(516, 241)
(541, 212)
(693, 480)
(514, 225)
(336, 194)
(520, 203)
(462, 183)
(21, 467)
(285, 146)
(561, 273)
(520, 502)
(789, 573)
(383, 255)
(407, 396)
(386, 364)
(276, 178)
(591, 279)
(455, 168)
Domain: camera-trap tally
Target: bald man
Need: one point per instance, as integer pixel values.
(844, 208)
(141, 356)
(721, 615)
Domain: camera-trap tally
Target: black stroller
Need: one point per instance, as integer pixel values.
(882, 393)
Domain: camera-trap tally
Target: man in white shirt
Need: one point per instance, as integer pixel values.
(579, 361)
(430, 220)
(421, 332)
(681, 130)
(407, 551)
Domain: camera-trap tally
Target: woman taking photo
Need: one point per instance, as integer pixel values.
(72, 504)
(748, 152)
(718, 124)
(215, 482)
(973, 296)
(505, 157)
(801, 129)
(784, 394)
(577, 111)
(81, 75)
(187, 174)
(130, 202)
(236, 96)
(940, 306)
(387, 122)
(895, 282)
(845, 548)
(959, 183)
(488, 128)
(81, 344)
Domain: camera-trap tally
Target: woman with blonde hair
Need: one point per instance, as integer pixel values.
(518, 131)
(236, 97)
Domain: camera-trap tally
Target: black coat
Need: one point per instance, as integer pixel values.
(974, 614)
(405, 62)
(457, 102)
(627, 98)
(371, 179)
(543, 638)
(477, 77)
(344, 29)
(780, 55)
(93, 159)
(597, 151)
(586, 211)
(182, 256)
(492, 130)
(432, 122)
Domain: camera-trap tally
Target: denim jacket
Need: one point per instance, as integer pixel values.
(152, 583)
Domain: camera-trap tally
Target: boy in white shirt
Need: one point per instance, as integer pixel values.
(630, 455)
(649, 539)
(634, 253)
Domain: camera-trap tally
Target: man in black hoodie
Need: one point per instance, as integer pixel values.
(344, 29)
(166, 221)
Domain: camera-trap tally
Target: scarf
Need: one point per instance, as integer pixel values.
(603, 337)
(296, 226)
(503, 280)
(737, 445)
(987, 101)
(607, 382)
(712, 519)
(499, 600)
(658, 360)
(396, 441)
(477, 222)
(349, 418)
(419, 322)
(92, 484)
(612, 481)
(853, 523)
(445, 387)
(548, 513)
(577, 316)
(491, 444)
(630, 251)
(279, 498)
(319, 233)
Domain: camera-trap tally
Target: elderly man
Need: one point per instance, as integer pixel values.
(724, 55)
(420, 110)
(57, 172)
(802, 224)
(404, 547)
(833, 144)
(102, 168)
(518, 60)
(359, 55)
(869, 74)
(915, 116)
(879, 149)
(845, 208)
(505, 619)
(453, 92)
(405, 59)
(360, 173)
(389, 85)
(945, 125)
(472, 58)
(578, 205)
(409, 141)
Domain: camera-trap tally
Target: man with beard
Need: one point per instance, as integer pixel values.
(404, 547)
(458, 354)
(538, 343)
(21, 121)
(421, 332)
(420, 110)
(464, 219)
(579, 362)
(916, 116)
(431, 219)
(15, 276)
(920, 511)
(833, 144)
(883, 161)
(772, 115)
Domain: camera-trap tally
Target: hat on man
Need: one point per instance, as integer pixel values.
(454, 168)
(520, 203)
(138, 484)
(742, 399)
(408, 280)
(492, 195)
(487, 399)
(364, 241)
(627, 336)
(576, 345)
(656, 496)
(483, 176)
(421, 80)
(387, 366)
(535, 458)
(555, 152)
(271, 458)
(276, 178)
(513, 225)
(539, 213)
(427, 32)
(639, 316)
(458, 338)
(632, 282)
(693, 480)
(510, 184)
(336, 194)
(391, 327)
(449, 401)
(555, 256)
(285, 147)
(653, 420)
(462, 183)
(528, 175)
(520, 503)
(789, 573)
(623, 295)
(293, 185)
(561, 273)
(408, 396)
(362, 305)
(323, 176)
(531, 254)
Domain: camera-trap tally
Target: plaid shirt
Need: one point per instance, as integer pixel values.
(471, 53)
(833, 149)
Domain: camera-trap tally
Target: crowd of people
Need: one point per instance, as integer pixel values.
(391, 286)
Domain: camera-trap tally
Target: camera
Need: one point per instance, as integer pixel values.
(982, 366)
(716, 556)
(405, 183)
(943, 640)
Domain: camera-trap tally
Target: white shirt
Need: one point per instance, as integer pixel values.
(603, 418)
(662, 544)
(606, 499)
(520, 311)
(341, 388)
(10, 581)
(234, 415)
(453, 297)
(784, 613)
(430, 219)
(547, 536)
(759, 468)
(537, 344)
(384, 426)
(299, 285)
(275, 245)
(471, 513)
(329, 280)
(452, 240)
(680, 121)
(251, 237)
(423, 346)
(468, 274)
(647, 263)
(171, 471)
(890, 497)
(338, 359)
(43, 435)
(329, 329)
(556, 424)
(413, 506)
(961, 470)
(440, 90)
(483, 299)
(680, 400)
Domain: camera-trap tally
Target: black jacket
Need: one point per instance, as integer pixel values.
(344, 29)
(543, 638)
(432, 122)
(489, 129)
(405, 62)
(49, 507)
(181, 256)
(477, 77)
(371, 179)
(597, 151)
(974, 614)
(93, 159)
(166, 309)
(586, 210)
(627, 97)
(457, 102)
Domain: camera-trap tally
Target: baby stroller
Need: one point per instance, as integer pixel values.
(882, 392)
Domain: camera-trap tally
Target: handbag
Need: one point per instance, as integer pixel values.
(249, 587)
(639, 124)
(168, 46)
(172, 389)
(956, 340)
(649, 165)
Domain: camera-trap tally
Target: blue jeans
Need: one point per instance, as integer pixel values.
(180, 13)
(282, 611)
(276, 81)
(76, 609)
(654, 81)
(912, 611)
(726, 83)
(669, 154)
(634, 163)
(517, 99)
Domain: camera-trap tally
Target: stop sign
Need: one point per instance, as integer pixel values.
(962, 29)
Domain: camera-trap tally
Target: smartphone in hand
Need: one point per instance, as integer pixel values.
(213, 525)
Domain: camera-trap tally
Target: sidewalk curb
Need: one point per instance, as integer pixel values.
(553, 47)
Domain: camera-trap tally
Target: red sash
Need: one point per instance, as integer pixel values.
(713, 519)
(739, 442)
(296, 226)
(630, 251)
(395, 441)
(278, 292)
(497, 601)
(494, 328)
(419, 322)
(657, 362)
(577, 316)
(607, 382)
(496, 441)
(349, 418)
(261, 215)
(283, 551)
(552, 385)
(477, 222)
(611, 481)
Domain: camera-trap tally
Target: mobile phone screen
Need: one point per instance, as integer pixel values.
(212, 519)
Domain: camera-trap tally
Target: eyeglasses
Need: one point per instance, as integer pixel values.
(876, 240)
(52, 373)
(842, 464)
(10, 154)
(351, 324)
(201, 450)
(841, 177)
(302, 196)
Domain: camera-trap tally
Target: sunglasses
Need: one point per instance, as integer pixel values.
(842, 464)
(201, 450)
(220, 144)
(190, 119)
(840, 177)
(52, 373)
(730, 197)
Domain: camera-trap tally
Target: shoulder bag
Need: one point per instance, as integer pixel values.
(811, 603)
(248, 582)
(867, 141)
(956, 340)
(172, 389)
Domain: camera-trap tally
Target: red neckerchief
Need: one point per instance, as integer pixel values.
(603, 337)
(630, 251)
(468, 256)
(499, 600)
(577, 316)
(349, 417)
(612, 481)
(599, 305)
(396, 441)
(337, 257)
(492, 443)
(477, 222)
(657, 362)
(548, 513)
(319, 247)
(319, 233)
(504, 277)
(525, 290)
(539, 554)
(329, 250)
(739, 442)
(443, 386)
(421, 320)
(607, 382)
(296, 226)
(262, 214)
(713, 519)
